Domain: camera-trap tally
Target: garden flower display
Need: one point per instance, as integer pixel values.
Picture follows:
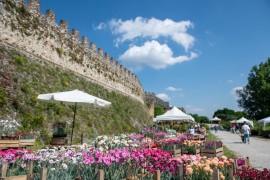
(249, 173)
(123, 155)
(212, 144)
(105, 143)
(9, 126)
(191, 146)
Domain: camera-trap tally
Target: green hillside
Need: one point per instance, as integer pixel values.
(22, 79)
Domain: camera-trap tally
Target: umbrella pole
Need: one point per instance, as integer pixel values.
(73, 123)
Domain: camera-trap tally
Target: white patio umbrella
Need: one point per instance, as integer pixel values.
(75, 98)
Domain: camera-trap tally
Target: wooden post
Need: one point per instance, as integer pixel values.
(231, 172)
(234, 167)
(216, 174)
(100, 175)
(235, 163)
(44, 173)
(129, 173)
(157, 175)
(181, 172)
(30, 173)
(4, 170)
(247, 163)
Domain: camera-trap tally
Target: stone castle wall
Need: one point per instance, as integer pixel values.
(22, 26)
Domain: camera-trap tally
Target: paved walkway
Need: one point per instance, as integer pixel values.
(258, 150)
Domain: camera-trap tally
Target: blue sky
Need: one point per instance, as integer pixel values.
(191, 53)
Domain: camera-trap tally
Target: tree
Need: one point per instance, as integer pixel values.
(228, 114)
(200, 119)
(159, 111)
(254, 98)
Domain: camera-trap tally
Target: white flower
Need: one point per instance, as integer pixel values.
(74, 160)
(51, 161)
(64, 166)
(52, 169)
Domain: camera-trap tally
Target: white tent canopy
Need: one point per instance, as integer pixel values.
(215, 119)
(174, 115)
(264, 121)
(75, 98)
(242, 120)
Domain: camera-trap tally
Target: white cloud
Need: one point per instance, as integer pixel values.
(194, 110)
(242, 74)
(100, 26)
(163, 96)
(230, 81)
(233, 91)
(153, 28)
(153, 54)
(170, 88)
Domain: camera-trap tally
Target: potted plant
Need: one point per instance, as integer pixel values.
(59, 134)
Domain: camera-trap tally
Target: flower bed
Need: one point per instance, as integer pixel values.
(249, 173)
(191, 147)
(212, 149)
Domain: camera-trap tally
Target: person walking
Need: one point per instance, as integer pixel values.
(216, 128)
(246, 130)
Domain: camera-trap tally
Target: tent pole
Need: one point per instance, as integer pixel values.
(73, 123)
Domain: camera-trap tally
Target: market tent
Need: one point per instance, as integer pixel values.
(174, 115)
(215, 119)
(264, 121)
(233, 121)
(242, 120)
(75, 98)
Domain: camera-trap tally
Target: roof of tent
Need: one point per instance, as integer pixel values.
(242, 120)
(265, 120)
(174, 114)
(215, 119)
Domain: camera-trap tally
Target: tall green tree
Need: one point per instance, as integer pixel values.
(159, 111)
(200, 119)
(254, 98)
(228, 114)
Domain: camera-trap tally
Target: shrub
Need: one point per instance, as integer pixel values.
(3, 97)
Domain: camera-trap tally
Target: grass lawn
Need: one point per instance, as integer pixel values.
(228, 153)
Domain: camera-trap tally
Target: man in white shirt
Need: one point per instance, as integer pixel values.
(246, 130)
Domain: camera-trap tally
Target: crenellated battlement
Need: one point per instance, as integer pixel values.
(34, 6)
(23, 26)
(50, 16)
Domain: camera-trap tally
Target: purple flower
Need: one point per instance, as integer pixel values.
(23, 165)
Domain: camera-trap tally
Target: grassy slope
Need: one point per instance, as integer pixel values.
(23, 79)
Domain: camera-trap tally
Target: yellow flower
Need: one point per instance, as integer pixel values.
(215, 162)
(224, 158)
(189, 171)
(221, 175)
(207, 162)
(206, 169)
(220, 164)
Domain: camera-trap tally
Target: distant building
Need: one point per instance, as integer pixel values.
(153, 101)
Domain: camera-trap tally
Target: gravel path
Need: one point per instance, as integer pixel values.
(258, 150)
